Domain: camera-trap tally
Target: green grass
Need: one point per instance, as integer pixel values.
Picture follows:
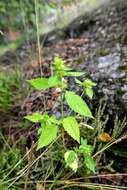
(10, 82)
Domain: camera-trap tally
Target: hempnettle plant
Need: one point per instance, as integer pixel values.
(50, 125)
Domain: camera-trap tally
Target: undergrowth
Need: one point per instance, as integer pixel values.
(10, 83)
(22, 167)
(69, 159)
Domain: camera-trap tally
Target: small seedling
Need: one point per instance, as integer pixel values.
(85, 150)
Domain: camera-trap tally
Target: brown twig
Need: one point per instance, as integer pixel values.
(28, 169)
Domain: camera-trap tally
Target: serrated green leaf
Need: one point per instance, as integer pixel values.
(45, 117)
(72, 128)
(39, 131)
(71, 160)
(36, 117)
(83, 141)
(86, 149)
(89, 92)
(53, 81)
(59, 64)
(53, 120)
(39, 83)
(90, 164)
(58, 61)
(78, 82)
(70, 156)
(89, 83)
(48, 134)
(77, 104)
(59, 67)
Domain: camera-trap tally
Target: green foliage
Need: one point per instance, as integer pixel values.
(36, 117)
(10, 155)
(74, 74)
(87, 151)
(39, 83)
(9, 82)
(59, 66)
(77, 104)
(90, 164)
(71, 157)
(88, 86)
(54, 81)
(48, 134)
(49, 124)
(10, 9)
(72, 128)
(61, 70)
(48, 131)
(8, 159)
(71, 160)
(45, 83)
(89, 92)
(11, 20)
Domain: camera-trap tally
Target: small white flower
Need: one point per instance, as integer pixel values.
(74, 164)
(58, 90)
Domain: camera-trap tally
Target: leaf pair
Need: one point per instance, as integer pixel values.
(49, 129)
(71, 158)
(61, 70)
(78, 105)
(49, 124)
(88, 86)
(87, 151)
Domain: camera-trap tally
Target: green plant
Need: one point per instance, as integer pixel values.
(50, 125)
(9, 84)
(85, 150)
(10, 9)
(9, 157)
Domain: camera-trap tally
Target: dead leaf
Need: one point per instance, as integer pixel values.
(50, 104)
(39, 186)
(105, 137)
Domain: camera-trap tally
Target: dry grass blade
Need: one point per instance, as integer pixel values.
(23, 172)
(39, 186)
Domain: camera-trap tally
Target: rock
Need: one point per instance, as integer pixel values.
(111, 83)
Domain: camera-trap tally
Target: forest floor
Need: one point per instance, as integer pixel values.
(105, 35)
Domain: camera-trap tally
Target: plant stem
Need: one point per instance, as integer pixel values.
(62, 115)
(38, 36)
